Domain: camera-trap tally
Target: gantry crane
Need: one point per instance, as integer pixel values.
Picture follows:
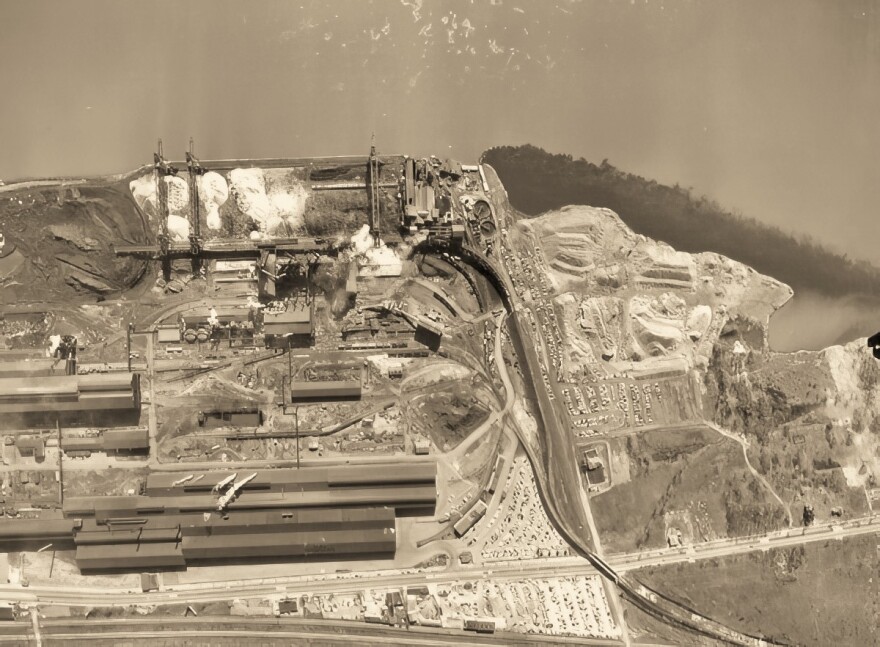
(195, 170)
(373, 188)
(161, 170)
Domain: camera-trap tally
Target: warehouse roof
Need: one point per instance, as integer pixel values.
(35, 367)
(281, 328)
(303, 478)
(296, 313)
(95, 391)
(114, 439)
(326, 389)
(401, 496)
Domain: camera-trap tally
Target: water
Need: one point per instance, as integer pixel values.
(811, 321)
(769, 108)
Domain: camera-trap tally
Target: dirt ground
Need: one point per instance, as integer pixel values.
(70, 255)
(109, 482)
(819, 594)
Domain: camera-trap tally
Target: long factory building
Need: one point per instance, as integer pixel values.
(327, 512)
(60, 393)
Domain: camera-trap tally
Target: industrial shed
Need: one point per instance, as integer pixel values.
(305, 478)
(82, 443)
(92, 392)
(102, 557)
(293, 327)
(337, 511)
(168, 334)
(172, 541)
(37, 367)
(132, 440)
(324, 391)
(423, 496)
(31, 446)
(42, 531)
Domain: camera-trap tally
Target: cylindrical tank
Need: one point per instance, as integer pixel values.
(190, 335)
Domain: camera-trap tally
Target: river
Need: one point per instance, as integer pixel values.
(811, 321)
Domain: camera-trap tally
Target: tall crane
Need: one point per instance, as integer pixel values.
(195, 170)
(232, 492)
(373, 188)
(161, 170)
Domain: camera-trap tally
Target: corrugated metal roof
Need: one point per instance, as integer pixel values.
(21, 529)
(126, 439)
(409, 495)
(304, 478)
(287, 329)
(18, 387)
(299, 313)
(329, 389)
(117, 381)
(129, 556)
(168, 334)
(92, 443)
(35, 367)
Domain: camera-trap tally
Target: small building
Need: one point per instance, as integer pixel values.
(168, 334)
(496, 474)
(325, 391)
(293, 327)
(470, 518)
(71, 444)
(31, 446)
(480, 626)
(242, 417)
(287, 607)
(422, 446)
(593, 466)
(351, 283)
(131, 440)
(395, 371)
(38, 367)
(149, 582)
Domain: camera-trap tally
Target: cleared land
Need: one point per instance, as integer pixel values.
(823, 594)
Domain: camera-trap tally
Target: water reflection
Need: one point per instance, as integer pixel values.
(811, 321)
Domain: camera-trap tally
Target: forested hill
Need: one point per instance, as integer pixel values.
(538, 181)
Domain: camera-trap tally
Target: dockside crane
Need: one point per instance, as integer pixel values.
(161, 170)
(373, 189)
(233, 492)
(222, 485)
(195, 171)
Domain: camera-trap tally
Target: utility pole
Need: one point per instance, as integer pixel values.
(60, 464)
(296, 411)
(130, 330)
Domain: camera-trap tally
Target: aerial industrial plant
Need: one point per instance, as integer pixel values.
(362, 389)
